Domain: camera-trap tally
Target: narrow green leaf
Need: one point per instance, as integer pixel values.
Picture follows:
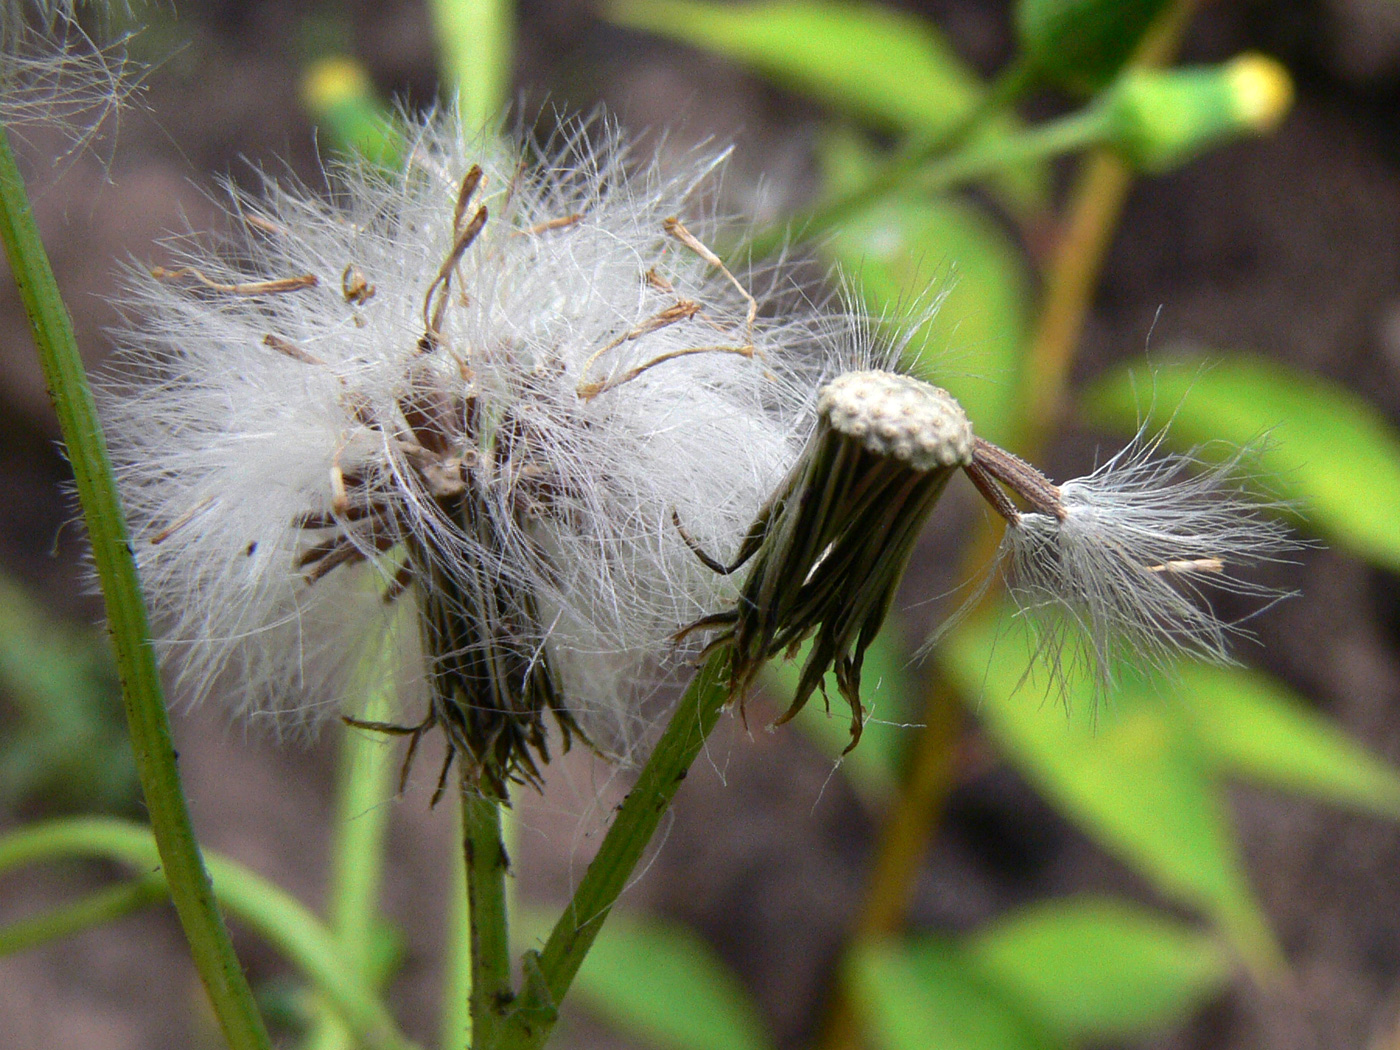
(893, 69)
(659, 981)
(1129, 774)
(873, 765)
(1252, 725)
(925, 995)
(1326, 448)
(1094, 968)
(898, 250)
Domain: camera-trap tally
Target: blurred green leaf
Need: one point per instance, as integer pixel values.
(1092, 968)
(923, 995)
(1326, 448)
(893, 71)
(68, 743)
(889, 67)
(1082, 44)
(873, 765)
(658, 980)
(1254, 726)
(899, 249)
(1129, 774)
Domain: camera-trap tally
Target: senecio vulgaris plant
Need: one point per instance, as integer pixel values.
(515, 386)
(514, 389)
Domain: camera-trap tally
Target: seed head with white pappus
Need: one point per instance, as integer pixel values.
(1118, 568)
(492, 383)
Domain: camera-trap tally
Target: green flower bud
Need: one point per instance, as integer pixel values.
(338, 95)
(1082, 44)
(1160, 120)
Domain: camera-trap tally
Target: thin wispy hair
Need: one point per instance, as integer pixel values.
(616, 381)
(1127, 574)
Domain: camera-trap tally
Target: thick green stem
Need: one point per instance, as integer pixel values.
(476, 42)
(126, 616)
(96, 909)
(617, 857)
(486, 869)
(264, 908)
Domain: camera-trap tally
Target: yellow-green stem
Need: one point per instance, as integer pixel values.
(907, 165)
(1096, 204)
(476, 44)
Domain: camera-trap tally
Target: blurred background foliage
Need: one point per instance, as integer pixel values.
(994, 177)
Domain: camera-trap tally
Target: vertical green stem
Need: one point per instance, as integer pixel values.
(455, 1026)
(486, 866)
(476, 41)
(126, 616)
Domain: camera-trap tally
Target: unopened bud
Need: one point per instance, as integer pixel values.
(1160, 120)
(339, 96)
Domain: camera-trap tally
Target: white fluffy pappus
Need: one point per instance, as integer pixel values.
(1118, 568)
(501, 387)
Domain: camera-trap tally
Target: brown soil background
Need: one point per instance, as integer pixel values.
(1290, 246)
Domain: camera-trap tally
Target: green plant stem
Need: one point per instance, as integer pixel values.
(632, 829)
(1088, 127)
(901, 170)
(96, 909)
(190, 890)
(486, 869)
(363, 788)
(455, 1026)
(476, 42)
(265, 908)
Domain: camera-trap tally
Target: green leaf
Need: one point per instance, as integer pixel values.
(1326, 448)
(661, 982)
(1254, 726)
(1092, 968)
(891, 68)
(893, 71)
(925, 995)
(886, 690)
(1129, 774)
(1082, 44)
(973, 346)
